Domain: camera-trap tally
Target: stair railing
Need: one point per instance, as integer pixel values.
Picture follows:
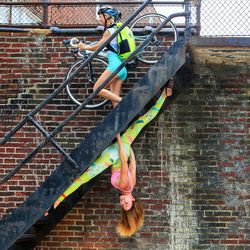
(49, 137)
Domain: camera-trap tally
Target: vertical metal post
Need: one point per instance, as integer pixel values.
(10, 15)
(187, 31)
(45, 12)
(198, 17)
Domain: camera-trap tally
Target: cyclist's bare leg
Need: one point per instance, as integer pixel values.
(107, 94)
(115, 87)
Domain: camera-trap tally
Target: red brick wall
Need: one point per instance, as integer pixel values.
(193, 163)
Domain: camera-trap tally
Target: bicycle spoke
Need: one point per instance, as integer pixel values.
(144, 25)
(82, 85)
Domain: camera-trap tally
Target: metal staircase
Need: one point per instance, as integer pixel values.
(25, 226)
(27, 214)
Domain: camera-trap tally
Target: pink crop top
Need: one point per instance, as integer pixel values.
(114, 178)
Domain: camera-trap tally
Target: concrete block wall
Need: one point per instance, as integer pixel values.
(193, 162)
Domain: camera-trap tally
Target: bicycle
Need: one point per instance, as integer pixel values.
(82, 84)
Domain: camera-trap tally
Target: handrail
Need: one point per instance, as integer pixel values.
(88, 99)
(89, 3)
(49, 136)
(68, 80)
(132, 55)
(46, 18)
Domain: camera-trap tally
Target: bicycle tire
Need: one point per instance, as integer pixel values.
(151, 53)
(81, 86)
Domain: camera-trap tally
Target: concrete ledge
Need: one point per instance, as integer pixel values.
(220, 54)
(220, 41)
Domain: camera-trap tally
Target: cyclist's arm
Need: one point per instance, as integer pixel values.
(82, 46)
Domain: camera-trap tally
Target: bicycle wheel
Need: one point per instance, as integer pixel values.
(82, 85)
(143, 26)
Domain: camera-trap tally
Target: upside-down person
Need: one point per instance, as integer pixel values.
(120, 157)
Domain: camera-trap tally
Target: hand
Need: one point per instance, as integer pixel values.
(74, 42)
(81, 46)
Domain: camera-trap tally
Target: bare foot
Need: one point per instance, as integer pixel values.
(56, 204)
(169, 90)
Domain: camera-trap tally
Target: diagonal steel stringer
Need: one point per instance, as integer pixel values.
(49, 137)
(22, 218)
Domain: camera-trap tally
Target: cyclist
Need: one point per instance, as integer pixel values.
(108, 16)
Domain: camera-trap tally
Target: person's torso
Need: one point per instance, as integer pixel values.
(114, 156)
(114, 179)
(113, 42)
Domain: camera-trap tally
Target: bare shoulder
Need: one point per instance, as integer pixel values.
(106, 33)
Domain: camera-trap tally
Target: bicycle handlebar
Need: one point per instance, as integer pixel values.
(66, 42)
(74, 42)
(75, 49)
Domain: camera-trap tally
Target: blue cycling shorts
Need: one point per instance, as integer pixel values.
(113, 63)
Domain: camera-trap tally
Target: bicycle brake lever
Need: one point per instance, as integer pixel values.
(74, 52)
(83, 40)
(66, 42)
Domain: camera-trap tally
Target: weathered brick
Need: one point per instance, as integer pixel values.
(192, 164)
